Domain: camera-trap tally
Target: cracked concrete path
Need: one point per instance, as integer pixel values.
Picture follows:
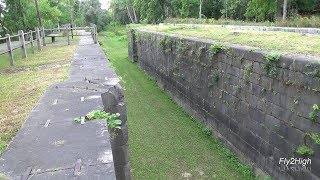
(50, 145)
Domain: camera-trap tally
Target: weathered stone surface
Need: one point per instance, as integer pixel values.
(52, 150)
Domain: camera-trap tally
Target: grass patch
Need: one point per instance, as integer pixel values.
(282, 42)
(18, 61)
(21, 86)
(165, 142)
(298, 21)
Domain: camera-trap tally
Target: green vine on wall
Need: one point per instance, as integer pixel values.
(214, 78)
(182, 48)
(215, 49)
(313, 116)
(248, 69)
(315, 137)
(305, 150)
(200, 53)
(270, 64)
(315, 71)
(166, 43)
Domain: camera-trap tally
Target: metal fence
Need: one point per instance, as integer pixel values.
(38, 37)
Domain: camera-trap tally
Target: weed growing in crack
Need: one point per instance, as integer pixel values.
(270, 64)
(215, 49)
(111, 119)
(313, 116)
(166, 43)
(248, 69)
(305, 150)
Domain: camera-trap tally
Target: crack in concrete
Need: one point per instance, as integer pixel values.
(80, 88)
(33, 173)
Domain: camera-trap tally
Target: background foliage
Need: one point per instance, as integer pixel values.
(21, 14)
(154, 11)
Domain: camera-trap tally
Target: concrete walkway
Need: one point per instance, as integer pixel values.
(50, 145)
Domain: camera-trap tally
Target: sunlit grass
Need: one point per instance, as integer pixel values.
(51, 50)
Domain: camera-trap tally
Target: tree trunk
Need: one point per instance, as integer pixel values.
(135, 15)
(38, 13)
(200, 9)
(129, 15)
(279, 9)
(284, 15)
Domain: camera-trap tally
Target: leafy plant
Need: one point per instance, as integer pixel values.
(97, 114)
(270, 64)
(315, 137)
(315, 107)
(111, 119)
(77, 119)
(305, 150)
(200, 52)
(248, 69)
(313, 116)
(215, 49)
(182, 48)
(214, 76)
(166, 41)
(113, 122)
(207, 131)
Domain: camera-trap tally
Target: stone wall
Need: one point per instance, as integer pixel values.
(257, 104)
(113, 102)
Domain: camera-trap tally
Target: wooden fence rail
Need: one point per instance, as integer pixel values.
(38, 35)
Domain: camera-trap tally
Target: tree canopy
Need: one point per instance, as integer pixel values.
(21, 14)
(154, 11)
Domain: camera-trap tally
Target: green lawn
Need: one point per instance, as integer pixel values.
(19, 62)
(276, 41)
(164, 141)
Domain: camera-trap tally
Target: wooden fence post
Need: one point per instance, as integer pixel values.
(71, 30)
(31, 42)
(95, 34)
(43, 37)
(92, 30)
(68, 34)
(23, 44)
(38, 38)
(10, 49)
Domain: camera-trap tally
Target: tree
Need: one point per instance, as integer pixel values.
(200, 9)
(38, 13)
(279, 9)
(212, 8)
(189, 8)
(261, 10)
(235, 9)
(124, 11)
(284, 14)
(151, 11)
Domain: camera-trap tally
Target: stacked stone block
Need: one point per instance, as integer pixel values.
(113, 102)
(261, 117)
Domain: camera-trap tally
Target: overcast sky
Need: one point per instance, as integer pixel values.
(105, 4)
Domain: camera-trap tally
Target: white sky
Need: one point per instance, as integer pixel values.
(105, 4)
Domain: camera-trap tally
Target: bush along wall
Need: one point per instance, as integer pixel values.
(263, 106)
